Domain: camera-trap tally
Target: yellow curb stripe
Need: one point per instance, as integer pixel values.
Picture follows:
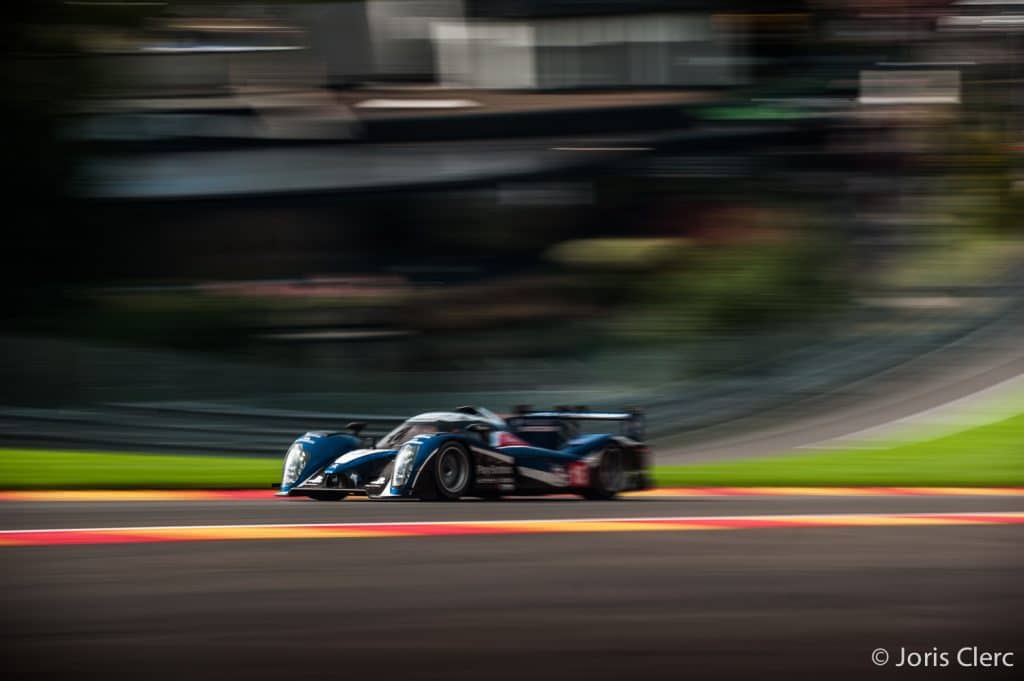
(123, 535)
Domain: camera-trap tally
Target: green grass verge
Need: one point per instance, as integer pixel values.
(987, 456)
(39, 469)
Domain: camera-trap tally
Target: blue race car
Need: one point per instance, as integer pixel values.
(473, 452)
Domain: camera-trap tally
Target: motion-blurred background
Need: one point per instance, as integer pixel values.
(231, 221)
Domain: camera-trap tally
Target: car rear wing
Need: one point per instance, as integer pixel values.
(631, 422)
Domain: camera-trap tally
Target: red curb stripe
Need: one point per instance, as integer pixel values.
(127, 496)
(75, 537)
(714, 491)
(335, 531)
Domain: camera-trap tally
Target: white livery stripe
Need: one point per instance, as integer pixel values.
(546, 477)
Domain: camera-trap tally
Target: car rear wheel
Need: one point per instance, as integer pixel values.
(452, 471)
(609, 477)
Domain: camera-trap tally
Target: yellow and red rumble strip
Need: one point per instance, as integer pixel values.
(140, 535)
(828, 491)
(136, 495)
(256, 494)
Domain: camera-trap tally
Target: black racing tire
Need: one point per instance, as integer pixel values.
(327, 496)
(609, 476)
(453, 471)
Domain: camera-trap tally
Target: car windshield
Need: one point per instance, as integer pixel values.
(404, 432)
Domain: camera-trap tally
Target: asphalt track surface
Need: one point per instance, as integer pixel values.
(761, 603)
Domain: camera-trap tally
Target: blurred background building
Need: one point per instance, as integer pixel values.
(708, 209)
(542, 45)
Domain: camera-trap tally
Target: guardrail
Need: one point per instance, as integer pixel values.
(215, 428)
(206, 428)
(198, 428)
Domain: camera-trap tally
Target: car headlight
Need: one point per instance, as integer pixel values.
(403, 465)
(294, 462)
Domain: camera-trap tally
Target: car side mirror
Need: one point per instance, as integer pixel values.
(355, 427)
(482, 428)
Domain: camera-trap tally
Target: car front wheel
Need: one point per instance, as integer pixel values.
(452, 471)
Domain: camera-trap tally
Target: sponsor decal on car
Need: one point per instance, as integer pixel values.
(498, 474)
(497, 471)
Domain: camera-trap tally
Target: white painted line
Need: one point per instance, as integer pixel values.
(600, 148)
(416, 104)
(987, 405)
